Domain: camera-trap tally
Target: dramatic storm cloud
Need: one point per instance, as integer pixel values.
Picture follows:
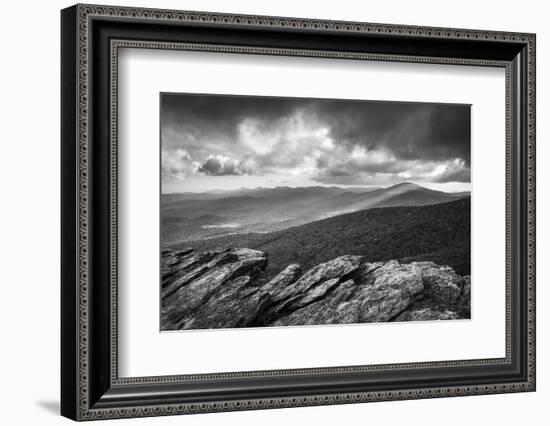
(213, 141)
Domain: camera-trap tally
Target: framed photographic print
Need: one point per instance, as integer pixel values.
(263, 212)
(271, 211)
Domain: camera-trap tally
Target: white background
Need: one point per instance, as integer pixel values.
(29, 225)
(141, 345)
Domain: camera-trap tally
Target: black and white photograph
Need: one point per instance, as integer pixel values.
(301, 211)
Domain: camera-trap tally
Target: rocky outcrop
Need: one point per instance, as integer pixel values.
(227, 289)
(214, 274)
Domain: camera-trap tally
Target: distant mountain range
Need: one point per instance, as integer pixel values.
(263, 191)
(195, 216)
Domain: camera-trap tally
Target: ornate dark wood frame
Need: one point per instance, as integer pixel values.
(91, 37)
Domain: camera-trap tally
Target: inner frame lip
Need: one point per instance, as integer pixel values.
(116, 44)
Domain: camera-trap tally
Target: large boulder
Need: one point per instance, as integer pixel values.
(336, 308)
(442, 283)
(389, 290)
(188, 292)
(234, 304)
(336, 268)
(192, 266)
(282, 281)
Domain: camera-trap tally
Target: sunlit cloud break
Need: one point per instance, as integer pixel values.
(215, 141)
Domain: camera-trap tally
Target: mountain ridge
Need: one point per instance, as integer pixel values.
(273, 209)
(404, 232)
(228, 192)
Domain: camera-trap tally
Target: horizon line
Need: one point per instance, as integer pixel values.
(312, 186)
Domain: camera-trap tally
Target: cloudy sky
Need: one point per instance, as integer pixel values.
(228, 142)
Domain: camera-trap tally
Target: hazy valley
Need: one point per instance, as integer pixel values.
(196, 216)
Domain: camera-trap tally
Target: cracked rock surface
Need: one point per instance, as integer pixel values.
(227, 289)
